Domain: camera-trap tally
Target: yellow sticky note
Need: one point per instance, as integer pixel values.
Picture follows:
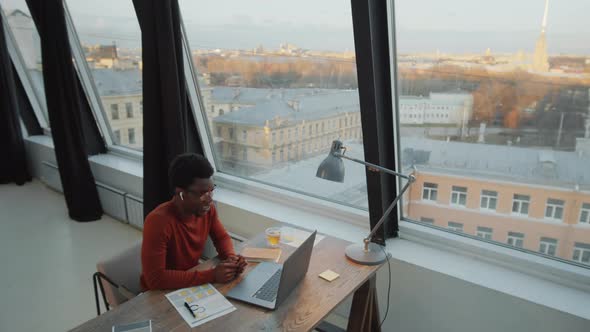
(329, 275)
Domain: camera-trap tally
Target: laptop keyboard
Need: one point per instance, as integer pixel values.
(268, 291)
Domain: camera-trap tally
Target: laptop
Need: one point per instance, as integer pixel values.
(269, 284)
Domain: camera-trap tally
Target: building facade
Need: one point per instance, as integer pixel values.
(258, 129)
(525, 198)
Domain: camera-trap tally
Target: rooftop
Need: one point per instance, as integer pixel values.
(310, 107)
(111, 82)
(497, 162)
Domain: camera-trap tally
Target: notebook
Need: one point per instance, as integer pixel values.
(261, 254)
(199, 304)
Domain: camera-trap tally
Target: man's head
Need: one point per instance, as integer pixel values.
(190, 176)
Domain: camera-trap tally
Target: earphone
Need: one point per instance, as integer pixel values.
(181, 196)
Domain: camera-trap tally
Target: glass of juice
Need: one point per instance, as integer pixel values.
(273, 236)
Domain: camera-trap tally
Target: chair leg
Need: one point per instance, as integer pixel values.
(97, 276)
(94, 282)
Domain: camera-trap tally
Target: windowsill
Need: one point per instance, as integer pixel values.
(492, 266)
(539, 280)
(122, 164)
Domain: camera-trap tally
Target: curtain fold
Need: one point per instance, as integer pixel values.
(168, 125)
(371, 38)
(25, 108)
(14, 168)
(65, 104)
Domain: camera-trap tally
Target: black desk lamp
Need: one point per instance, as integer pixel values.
(332, 168)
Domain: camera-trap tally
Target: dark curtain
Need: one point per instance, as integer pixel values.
(25, 108)
(64, 105)
(168, 125)
(14, 168)
(373, 67)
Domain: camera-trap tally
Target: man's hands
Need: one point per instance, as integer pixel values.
(240, 260)
(230, 268)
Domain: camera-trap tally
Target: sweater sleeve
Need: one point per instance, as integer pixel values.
(156, 233)
(220, 237)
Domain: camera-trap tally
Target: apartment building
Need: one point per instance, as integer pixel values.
(259, 128)
(121, 95)
(522, 197)
(277, 131)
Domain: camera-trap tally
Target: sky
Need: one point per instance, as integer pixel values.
(453, 26)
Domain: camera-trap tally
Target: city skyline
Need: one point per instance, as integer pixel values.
(440, 28)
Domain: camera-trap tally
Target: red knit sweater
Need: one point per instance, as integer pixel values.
(171, 246)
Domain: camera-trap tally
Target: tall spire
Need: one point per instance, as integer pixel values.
(544, 25)
(541, 58)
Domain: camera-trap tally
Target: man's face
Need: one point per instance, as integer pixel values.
(199, 196)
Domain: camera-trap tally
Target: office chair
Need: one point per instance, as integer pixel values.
(118, 278)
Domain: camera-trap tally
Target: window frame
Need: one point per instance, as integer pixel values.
(456, 193)
(114, 109)
(582, 249)
(24, 76)
(131, 134)
(426, 220)
(520, 205)
(548, 243)
(486, 194)
(91, 92)
(484, 231)
(295, 198)
(430, 189)
(585, 208)
(454, 226)
(129, 110)
(554, 207)
(515, 237)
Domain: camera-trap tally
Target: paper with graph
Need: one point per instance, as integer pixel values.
(204, 301)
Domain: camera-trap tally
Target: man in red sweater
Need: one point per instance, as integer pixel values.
(174, 233)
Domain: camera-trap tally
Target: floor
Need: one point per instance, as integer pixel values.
(47, 259)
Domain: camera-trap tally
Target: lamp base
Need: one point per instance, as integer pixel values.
(357, 254)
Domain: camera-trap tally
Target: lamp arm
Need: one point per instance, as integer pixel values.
(383, 169)
(411, 179)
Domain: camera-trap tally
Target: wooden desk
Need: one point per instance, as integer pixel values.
(312, 300)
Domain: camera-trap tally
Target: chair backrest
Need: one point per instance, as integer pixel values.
(124, 269)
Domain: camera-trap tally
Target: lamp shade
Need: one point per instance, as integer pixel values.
(332, 168)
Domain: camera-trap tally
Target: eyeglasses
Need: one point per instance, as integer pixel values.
(203, 196)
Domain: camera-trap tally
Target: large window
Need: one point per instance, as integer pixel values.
(111, 42)
(277, 68)
(494, 103)
(28, 44)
